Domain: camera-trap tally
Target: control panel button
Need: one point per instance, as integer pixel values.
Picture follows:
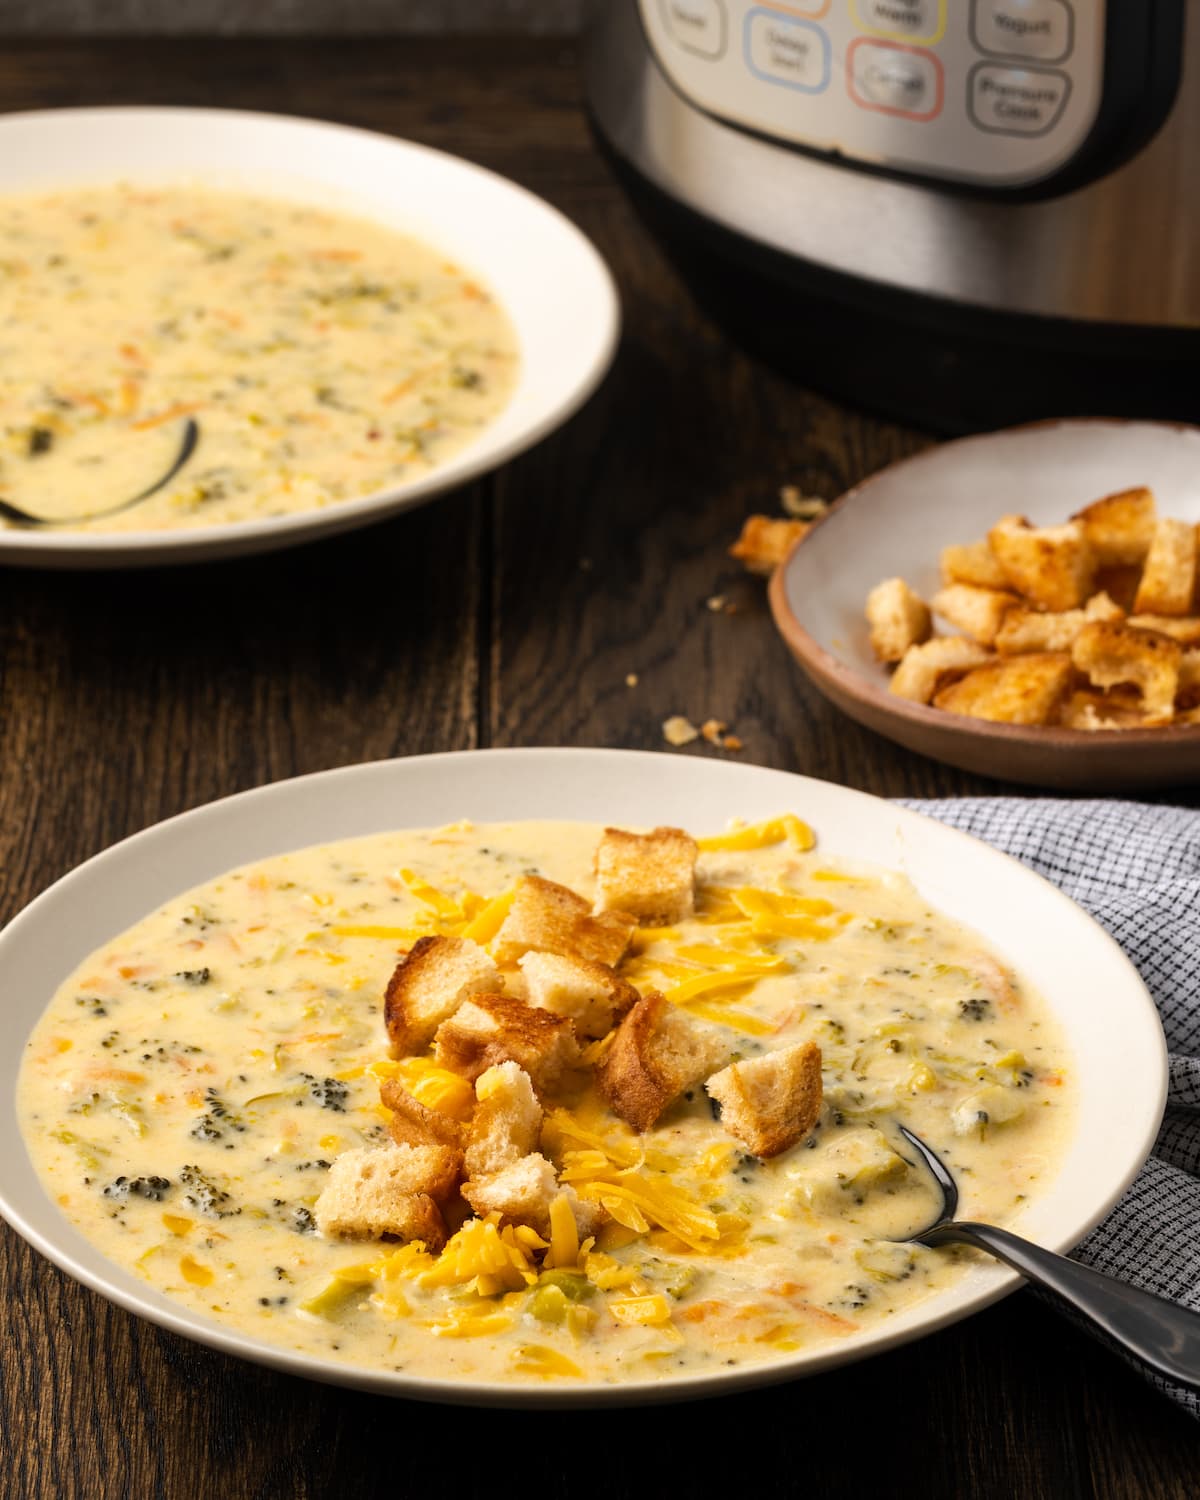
(696, 25)
(783, 49)
(1041, 29)
(920, 21)
(1016, 101)
(894, 79)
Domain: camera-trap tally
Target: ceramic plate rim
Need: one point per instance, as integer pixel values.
(526, 773)
(822, 666)
(73, 549)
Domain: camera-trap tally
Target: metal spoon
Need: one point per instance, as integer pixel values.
(1160, 1333)
(19, 517)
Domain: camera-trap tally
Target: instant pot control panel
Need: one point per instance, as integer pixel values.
(985, 93)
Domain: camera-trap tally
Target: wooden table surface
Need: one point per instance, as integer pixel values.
(509, 613)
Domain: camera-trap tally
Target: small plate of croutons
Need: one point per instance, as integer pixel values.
(1023, 604)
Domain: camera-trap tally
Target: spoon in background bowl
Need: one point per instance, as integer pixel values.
(1160, 1333)
(187, 446)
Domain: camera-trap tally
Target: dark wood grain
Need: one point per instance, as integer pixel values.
(508, 614)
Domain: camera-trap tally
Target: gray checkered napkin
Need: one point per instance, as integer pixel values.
(1136, 869)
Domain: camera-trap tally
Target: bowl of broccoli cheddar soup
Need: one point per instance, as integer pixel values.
(549, 1077)
(238, 331)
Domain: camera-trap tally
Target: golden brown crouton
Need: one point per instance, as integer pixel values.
(415, 1124)
(1119, 527)
(898, 619)
(977, 612)
(770, 1102)
(925, 668)
(1051, 565)
(1012, 690)
(549, 918)
(1188, 690)
(657, 1052)
(371, 1192)
(1044, 630)
(1182, 628)
(1168, 584)
(1120, 708)
(593, 997)
(652, 876)
(1109, 654)
(429, 985)
(492, 1029)
(765, 542)
(973, 563)
(507, 1121)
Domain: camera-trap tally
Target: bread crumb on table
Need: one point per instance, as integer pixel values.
(798, 505)
(765, 541)
(678, 730)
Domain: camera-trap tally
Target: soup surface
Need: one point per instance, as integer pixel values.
(320, 357)
(190, 1085)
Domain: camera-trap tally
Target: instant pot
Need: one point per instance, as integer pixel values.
(963, 213)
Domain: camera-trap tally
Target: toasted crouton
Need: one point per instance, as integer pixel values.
(1012, 690)
(523, 1192)
(371, 1191)
(492, 1029)
(415, 1124)
(1110, 654)
(1120, 708)
(765, 542)
(925, 668)
(1052, 565)
(770, 1102)
(591, 996)
(657, 1052)
(429, 985)
(1188, 689)
(652, 876)
(974, 563)
(549, 918)
(1119, 527)
(1044, 630)
(1168, 583)
(507, 1121)
(1182, 628)
(977, 612)
(898, 619)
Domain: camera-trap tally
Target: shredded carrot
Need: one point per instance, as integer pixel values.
(89, 398)
(180, 409)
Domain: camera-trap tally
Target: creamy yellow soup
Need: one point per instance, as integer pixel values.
(305, 356)
(190, 1084)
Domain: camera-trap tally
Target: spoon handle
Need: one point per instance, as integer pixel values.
(1161, 1333)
